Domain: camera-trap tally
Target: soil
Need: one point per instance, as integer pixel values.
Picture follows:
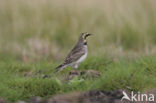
(85, 97)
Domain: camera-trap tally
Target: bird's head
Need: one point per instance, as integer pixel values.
(83, 37)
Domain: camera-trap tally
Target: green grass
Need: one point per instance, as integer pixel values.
(125, 73)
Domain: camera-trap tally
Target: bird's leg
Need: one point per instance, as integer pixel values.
(75, 66)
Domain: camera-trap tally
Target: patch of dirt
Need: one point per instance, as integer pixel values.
(89, 97)
(84, 74)
(2, 100)
(86, 97)
(28, 74)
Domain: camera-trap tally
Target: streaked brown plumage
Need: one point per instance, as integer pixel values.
(77, 54)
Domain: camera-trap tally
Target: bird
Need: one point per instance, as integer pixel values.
(77, 55)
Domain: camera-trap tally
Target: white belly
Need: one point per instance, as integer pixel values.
(82, 58)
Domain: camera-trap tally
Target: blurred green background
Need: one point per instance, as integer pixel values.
(48, 29)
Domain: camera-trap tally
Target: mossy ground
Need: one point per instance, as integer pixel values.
(21, 81)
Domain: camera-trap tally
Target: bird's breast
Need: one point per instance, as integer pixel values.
(83, 57)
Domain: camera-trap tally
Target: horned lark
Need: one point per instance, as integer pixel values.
(77, 55)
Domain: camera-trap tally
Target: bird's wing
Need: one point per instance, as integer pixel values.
(74, 55)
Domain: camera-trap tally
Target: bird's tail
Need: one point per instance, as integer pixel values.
(60, 67)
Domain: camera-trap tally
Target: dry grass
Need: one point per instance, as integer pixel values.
(122, 25)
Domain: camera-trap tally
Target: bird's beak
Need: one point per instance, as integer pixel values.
(89, 35)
